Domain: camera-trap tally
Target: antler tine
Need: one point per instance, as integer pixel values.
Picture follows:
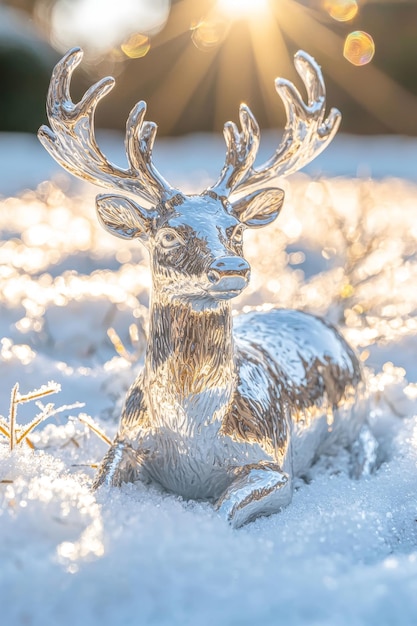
(241, 151)
(61, 76)
(71, 141)
(307, 132)
(139, 141)
(312, 77)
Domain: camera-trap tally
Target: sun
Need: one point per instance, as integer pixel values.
(236, 9)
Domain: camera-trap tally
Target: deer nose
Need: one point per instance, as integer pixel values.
(228, 267)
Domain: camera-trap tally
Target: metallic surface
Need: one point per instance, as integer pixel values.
(221, 414)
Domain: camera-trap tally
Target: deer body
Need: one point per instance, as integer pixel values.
(216, 413)
(225, 415)
(194, 431)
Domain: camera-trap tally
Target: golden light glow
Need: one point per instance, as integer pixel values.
(359, 48)
(209, 33)
(266, 35)
(341, 10)
(136, 46)
(98, 26)
(236, 9)
(213, 29)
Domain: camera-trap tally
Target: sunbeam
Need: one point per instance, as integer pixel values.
(192, 55)
(266, 36)
(183, 80)
(367, 88)
(236, 9)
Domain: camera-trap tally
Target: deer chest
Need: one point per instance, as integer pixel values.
(197, 465)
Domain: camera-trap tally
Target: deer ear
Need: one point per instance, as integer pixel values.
(259, 208)
(122, 217)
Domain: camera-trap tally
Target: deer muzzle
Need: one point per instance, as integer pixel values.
(228, 275)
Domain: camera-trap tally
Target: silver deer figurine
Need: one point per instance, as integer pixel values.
(223, 412)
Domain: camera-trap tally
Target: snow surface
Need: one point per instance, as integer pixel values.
(344, 552)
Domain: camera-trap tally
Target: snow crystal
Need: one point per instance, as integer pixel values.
(344, 553)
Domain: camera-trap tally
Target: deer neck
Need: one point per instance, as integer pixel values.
(189, 364)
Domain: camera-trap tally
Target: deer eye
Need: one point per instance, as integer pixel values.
(168, 239)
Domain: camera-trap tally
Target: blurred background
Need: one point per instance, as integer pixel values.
(194, 61)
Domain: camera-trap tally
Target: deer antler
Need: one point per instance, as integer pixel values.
(241, 151)
(307, 133)
(71, 140)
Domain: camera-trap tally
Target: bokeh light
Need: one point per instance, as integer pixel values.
(209, 33)
(359, 48)
(341, 10)
(98, 26)
(362, 243)
(136, 46)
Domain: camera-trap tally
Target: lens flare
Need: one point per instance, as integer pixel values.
(136, 46)
(341, 10)
(209, 33)
(98, 26)
(359, 48)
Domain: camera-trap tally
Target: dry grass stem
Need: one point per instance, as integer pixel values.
(85, 419)
(46, 390)
(121, 349)
(17, 434)
(12, 415)
(118, 344)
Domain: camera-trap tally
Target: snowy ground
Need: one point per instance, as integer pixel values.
(344, 553)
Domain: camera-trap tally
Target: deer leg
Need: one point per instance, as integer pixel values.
(364, 459)
(258, 489)
(119, 465)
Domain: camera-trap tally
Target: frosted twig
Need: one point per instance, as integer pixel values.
(134, 335)
(12, 416)
(4, 430)
(85, 419)
(4, 427)
(119, 346)
(45, 390)
(48, 411)
(16, 434)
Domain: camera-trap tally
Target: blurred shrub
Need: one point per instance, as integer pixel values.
(24, 81)
(190, 90)
(25, 67)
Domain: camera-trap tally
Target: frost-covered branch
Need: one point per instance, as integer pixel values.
(17, 434)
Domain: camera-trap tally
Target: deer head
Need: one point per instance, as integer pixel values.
(195, 241)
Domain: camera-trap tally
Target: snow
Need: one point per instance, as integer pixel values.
(344, 553)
